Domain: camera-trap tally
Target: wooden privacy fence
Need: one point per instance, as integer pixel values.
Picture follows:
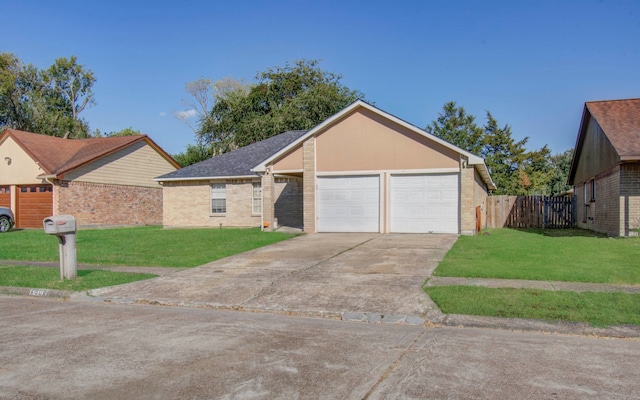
(531, 212)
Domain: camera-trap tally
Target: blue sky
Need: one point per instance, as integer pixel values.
(532, 64)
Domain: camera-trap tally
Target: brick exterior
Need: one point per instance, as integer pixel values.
(102, 204)
(473, 193)
(309, 185)
(288, 202)
(629, 198)
(188, 204)
(604, 214)
(268, 193)
(480, 194)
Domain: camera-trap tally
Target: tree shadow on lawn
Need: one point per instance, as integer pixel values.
(575, 232)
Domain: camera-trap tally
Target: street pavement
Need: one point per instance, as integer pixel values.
(86, 349)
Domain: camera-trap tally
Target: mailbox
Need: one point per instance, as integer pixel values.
(59, 224)
(64, 227)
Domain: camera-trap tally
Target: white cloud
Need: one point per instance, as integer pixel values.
(162, 114)
(186, 114)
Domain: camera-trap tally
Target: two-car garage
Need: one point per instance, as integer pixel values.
(387, 202)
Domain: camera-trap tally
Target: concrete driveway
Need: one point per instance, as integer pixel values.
(321, 275)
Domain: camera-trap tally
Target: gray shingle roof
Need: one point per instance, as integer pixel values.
(235, 163)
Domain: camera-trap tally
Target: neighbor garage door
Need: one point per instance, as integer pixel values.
(35, 203)
(348, 204)
(424, 203)
(5, 196)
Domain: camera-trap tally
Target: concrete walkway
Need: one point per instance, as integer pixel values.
(525, 284)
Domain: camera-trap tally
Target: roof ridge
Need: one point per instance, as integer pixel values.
(612, 100)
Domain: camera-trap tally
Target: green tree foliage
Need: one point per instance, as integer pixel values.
(504, 157)
(296, 96)
(514, 170)
(456, 126)
(193, 154)
(19, 84)
(45, 101)
(561, 164)
(69, 89)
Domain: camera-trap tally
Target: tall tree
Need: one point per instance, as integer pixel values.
(193, 154)
(504, 156)
(514, 170)
(70, 89)
(123, 132)
(560, 164)
(535, 172)
(18, 85)
(457, 127)
(45, 101)
(296, 96)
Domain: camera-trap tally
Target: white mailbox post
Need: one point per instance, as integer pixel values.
(64, 227)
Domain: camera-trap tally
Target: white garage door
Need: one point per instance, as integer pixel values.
(424, 203)
(348, 204)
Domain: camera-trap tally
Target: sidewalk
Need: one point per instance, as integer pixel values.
(160, 271)
(524, 284)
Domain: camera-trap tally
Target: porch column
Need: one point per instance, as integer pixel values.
(268, 201)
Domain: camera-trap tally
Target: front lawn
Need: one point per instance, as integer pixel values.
(598, 309)
(139, 246)
(49, 278)
(551, 255)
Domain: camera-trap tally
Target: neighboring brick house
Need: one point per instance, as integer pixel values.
(605, 170)
(361, 170)
(100, 181)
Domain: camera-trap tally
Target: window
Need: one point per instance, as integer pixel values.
(256, 199)
(218, 198)
(593, 190)
(586, 204)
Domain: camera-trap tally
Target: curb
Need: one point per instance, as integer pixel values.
(534, 325)
(436, 317)
(432, 317)
(36, 292)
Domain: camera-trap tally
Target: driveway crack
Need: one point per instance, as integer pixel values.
(291, 273)
(393, 366)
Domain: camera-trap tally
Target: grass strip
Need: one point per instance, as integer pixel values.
(596, 308)
(572, 255)
(149, 246)
(49, 278)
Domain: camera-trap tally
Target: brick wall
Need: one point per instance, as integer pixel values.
(629, 198)
(268, 193)
(467, 209)
(288, 203)
(102, 204)
(480, 194)
(309, 184)
(188, 204)
(603, 214)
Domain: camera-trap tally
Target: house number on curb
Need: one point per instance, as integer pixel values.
(38, 292)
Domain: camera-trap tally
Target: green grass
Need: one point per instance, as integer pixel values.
(139, 246)
(597, 309)
(49, 278)
(551, 255)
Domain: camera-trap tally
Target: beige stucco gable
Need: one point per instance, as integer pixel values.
(366, 141)
(292, 161)
(136, 165)
(16, 166)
